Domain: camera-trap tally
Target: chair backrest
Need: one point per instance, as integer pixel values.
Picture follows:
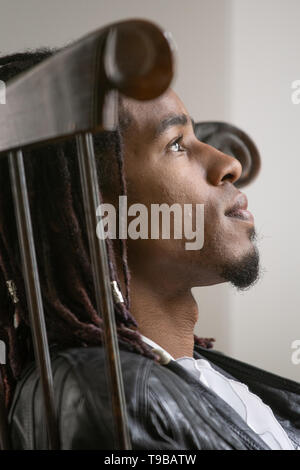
(75, 91)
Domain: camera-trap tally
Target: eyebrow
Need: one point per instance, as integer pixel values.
(170, 121)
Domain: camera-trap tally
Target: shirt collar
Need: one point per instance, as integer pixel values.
(162, 352)
(165, 356)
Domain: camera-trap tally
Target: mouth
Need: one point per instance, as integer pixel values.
(239, 210)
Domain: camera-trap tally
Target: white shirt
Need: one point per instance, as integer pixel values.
(250, 407)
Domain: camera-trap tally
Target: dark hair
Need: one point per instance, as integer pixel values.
(61, 245)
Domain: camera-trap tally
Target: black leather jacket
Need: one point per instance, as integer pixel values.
(167, 407)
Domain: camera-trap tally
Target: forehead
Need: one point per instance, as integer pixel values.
(149, 114)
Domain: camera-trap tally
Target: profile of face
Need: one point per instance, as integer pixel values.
(166, 163)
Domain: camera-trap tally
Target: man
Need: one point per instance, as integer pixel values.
(179, 394)
(166, 163)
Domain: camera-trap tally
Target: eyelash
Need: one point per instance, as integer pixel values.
(177, 141)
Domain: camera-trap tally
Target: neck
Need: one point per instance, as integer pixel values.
(166, 316)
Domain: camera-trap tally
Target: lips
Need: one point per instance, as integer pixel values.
(239, 209)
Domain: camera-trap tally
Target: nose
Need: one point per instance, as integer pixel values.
(221, 167)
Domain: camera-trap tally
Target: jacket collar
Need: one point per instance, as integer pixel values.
(219, 410)
(222, 410)
(280, 393)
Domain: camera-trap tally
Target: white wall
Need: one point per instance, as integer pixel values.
(265, 52)
(236, 61)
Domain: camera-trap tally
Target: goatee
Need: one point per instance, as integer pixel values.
(245, 272)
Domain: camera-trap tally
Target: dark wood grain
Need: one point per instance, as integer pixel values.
(65, 94)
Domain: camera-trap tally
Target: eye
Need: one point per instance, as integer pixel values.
(175, 145)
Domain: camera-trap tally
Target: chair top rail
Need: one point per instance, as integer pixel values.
(69, 92)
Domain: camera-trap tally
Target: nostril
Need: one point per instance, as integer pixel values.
(228, 176)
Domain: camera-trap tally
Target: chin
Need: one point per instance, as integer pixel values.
(242, 272)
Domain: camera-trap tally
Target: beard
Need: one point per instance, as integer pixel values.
(243, 273)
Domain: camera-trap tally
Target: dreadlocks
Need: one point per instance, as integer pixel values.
(61, 246)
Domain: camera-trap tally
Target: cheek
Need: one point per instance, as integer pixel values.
(148, 188)
(167, 185)
(177, 184)
(165, 188)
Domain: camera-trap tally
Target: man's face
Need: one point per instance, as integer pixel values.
(166, 163)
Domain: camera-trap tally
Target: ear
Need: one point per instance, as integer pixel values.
(232, 141)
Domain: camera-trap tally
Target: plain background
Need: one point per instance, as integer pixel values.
(236, 61)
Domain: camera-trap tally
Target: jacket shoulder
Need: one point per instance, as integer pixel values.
(163, 411)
